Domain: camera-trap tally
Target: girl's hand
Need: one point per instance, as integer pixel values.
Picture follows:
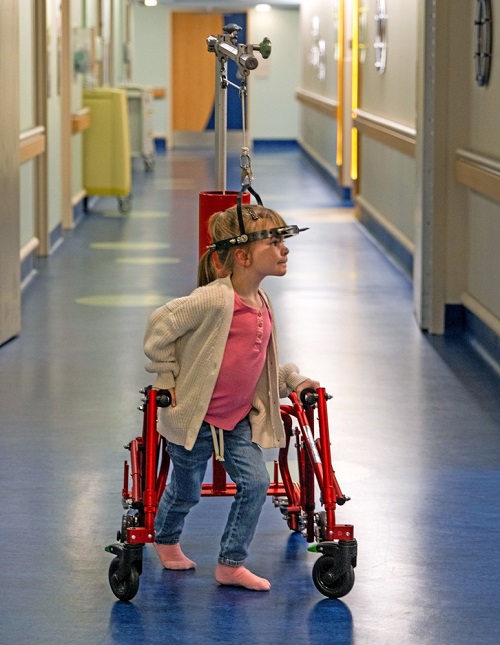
(307, 383)
(172, 394)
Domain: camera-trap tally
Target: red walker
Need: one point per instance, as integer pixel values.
(333, 572)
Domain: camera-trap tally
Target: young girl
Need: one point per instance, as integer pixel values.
(215, 350)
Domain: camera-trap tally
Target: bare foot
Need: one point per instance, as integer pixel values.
(240, 577)
(172, 557)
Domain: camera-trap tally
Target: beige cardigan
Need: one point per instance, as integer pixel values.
(185, 341)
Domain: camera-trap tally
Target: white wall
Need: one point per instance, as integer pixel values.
(273, 110)
(318, 132)
(466, 222)
(26, 120)
(393, 93)
(76, 104)
(53, 118)
(387, 176)
(151, 58)
(483, 213)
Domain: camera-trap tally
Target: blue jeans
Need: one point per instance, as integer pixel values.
(243, 462)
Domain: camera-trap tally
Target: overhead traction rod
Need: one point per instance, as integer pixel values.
(225, 46)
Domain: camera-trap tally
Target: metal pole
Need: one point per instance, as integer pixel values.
(220, 127)
(224, 48)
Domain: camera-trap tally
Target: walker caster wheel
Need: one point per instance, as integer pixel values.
(126, 588)
(128, 521)
(327, 580)
(125, 204)
(149, 163)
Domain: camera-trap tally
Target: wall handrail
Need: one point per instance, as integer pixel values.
(478, 173)
(488, 163)
(31, 143)
(390, 133)
(317, 102)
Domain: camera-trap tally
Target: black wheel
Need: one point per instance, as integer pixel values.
(128, 587)
(327, 581)
(321, 523)
(149, 163)
(125, 204)
(296, 523)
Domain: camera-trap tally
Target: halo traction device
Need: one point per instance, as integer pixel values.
(225, 47)
(146, 477)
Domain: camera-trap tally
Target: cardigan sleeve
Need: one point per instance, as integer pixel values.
(159, 347)
(165, 325)
(289, 379)
(177, 319)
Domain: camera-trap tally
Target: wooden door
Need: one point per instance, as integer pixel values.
(193, 73)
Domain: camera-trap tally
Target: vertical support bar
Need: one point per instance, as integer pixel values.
(66, 148)
(328, 492)
(220, 126)
(10, 289)
(431, 164)
(41, 177)
(150, 447)
(340, 83)
(354, 87)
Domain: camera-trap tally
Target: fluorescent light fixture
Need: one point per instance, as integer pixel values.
(262, 7)
(150, 3)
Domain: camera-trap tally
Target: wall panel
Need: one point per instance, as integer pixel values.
(10, 291)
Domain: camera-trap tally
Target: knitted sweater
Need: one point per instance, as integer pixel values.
(185, 341)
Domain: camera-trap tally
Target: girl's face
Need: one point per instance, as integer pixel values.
(269, 257)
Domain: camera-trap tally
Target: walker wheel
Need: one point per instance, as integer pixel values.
(127, 588)
(328, 582)
(125, 203)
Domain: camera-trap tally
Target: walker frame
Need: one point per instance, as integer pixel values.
(144, 481)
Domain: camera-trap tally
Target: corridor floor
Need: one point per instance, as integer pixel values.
(414, 420)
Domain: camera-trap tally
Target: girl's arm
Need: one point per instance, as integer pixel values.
(291, 380)
(159, 347)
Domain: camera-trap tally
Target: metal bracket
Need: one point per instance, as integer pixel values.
(225, 46)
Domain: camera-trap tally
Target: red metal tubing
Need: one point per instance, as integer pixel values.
(125, 490)
(150, 462)
(163, 468)
(283, 462)
(135, 471)
(308, 438)
(326, 457)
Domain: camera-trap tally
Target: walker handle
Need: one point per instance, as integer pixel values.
(308, 397)
(163, 398)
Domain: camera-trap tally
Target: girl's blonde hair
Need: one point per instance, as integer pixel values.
(224, 225)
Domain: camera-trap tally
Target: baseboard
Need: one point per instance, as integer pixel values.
(78, 211)
(275, 145)
(28, 271)
(342, 191)
(459, 319)
(160, 144)
(401, 255)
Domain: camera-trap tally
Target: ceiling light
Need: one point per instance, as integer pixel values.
(150, 3)
(263, 7)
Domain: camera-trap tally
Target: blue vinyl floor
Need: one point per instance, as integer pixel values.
(415, 428)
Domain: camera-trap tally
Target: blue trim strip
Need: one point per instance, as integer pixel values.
(345, 193)
(395, 249)
(56, 235)
(482, 338)
(160, 145)
(27, 267)
(275, 145)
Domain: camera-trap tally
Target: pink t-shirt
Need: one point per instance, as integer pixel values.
(242, 365)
